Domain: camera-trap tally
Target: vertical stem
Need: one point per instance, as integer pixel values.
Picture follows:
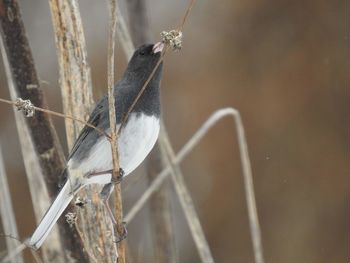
(76, 87)
(163, 230)
(161, 219)
(255, 231)
(75, 77)
(23, 80)
(113, 126)
(138, 22)
(111, 99)
(7, 213)
(186, 202)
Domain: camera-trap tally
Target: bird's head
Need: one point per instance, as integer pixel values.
(144, 59)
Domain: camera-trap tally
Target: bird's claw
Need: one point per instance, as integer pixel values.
(120, 177)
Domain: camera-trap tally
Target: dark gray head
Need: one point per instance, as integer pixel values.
(143, 61)
(139, 69)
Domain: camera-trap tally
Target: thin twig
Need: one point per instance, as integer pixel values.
(186, 202)
(188, 11)
(7, 212)
(113, 126)
(111, 99)
(195, 226)
(138, 22)
(54, 113)
(123, 34)
(125, 118)
(127, 48)
(185, 150)
(247, 175)
(162, 221)
(163, 232)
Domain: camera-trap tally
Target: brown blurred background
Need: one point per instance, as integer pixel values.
(285, 66)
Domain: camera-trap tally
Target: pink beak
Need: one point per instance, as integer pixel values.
(158, 47)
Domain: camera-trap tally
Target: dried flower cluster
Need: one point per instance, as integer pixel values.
(173, 38)
(26, 107)
(71, 218)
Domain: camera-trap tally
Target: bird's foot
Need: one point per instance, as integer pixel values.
(119, 178)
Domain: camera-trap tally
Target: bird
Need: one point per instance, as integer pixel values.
(90, 160)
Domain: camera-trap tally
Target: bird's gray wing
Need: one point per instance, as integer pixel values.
(88, 136)
(100, 119)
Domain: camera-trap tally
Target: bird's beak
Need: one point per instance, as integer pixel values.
(158, 47)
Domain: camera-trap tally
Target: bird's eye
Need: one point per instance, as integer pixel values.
(142, 53)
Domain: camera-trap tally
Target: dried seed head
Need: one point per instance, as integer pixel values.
(26, 107)
(173, 38)
(71, 218)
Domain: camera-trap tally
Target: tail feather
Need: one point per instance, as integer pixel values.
(51, 216)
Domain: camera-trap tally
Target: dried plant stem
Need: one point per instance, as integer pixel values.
(138, 22)
(111, 99)
(161, 218)
(73, 65)
(7, 212)
(187, 13)
(113, 126)
(43, 156)
(255, 231)
(123, 34)
(54, 113)
(125, 118)
(37, 187)
(13, 253)
(186, 202)
(185, 198)
(163, 232)
(76, 87)
(247, 175)
(17, 251)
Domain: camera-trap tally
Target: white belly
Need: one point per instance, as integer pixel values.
(135, 142)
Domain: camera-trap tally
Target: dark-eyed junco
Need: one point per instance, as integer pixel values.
(91, 153)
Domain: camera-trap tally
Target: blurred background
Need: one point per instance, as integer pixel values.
(285, 66)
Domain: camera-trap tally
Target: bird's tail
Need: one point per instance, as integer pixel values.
(51, 216)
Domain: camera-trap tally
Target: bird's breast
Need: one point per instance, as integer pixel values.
(135, 141)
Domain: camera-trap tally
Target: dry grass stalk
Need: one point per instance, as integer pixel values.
(123, 34)
(247, 175)
(160, 208)
(113, 126)
(7, 213)
(186, 202)
(73, 66)
(57, 114)
(41, 156)
(13, 253)
(161, 213)
(75, 81)
(197, 232)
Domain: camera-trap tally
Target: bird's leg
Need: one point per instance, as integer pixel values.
(119, 178)
(105, 195)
